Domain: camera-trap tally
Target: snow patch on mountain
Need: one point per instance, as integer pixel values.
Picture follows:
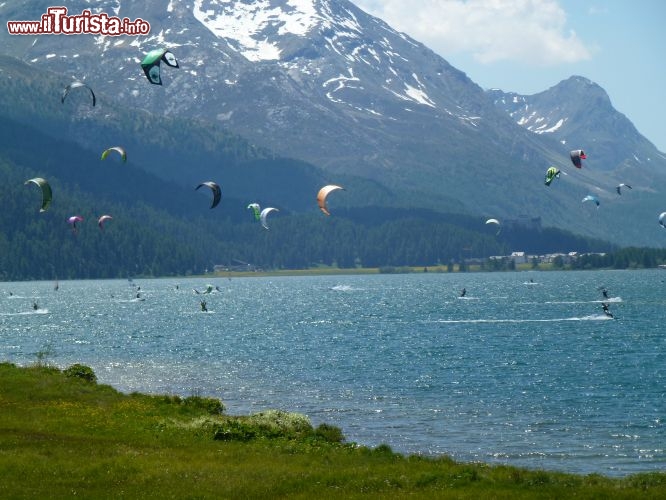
(250, 25)
(543, 130)
(538, 124)
(339, 83)
(418, 95)
(531, 120)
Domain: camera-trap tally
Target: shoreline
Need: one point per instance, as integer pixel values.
(352, 271)
(93, 440)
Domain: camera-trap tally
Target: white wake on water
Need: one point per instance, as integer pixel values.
(592, 317)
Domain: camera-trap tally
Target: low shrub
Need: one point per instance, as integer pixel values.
(211, 406)
(281, 423)
(234, 430)
(81, 371)
(269, 424)
(383, 449)
(329, 433)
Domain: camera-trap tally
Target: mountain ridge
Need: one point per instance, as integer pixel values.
(355, 97)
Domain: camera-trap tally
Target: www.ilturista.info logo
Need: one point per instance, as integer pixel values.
(56, 22)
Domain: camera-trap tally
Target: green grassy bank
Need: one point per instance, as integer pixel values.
(62, 435)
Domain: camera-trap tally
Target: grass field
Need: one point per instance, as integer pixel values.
(62, 435)
(336, 271)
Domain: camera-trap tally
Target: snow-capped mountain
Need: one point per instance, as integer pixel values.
(323, 81)
(577, 110)
(300, 77)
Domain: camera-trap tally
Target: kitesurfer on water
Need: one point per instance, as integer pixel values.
(606, 310)
(463, 292)
(203, 306)
(35, 306)
(604, 293)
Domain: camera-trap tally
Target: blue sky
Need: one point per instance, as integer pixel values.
(527, 46)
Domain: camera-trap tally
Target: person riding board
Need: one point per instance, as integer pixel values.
(203, 306)
(463, 292)
(606, 310)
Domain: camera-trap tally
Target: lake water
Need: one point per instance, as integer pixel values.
(525, 370)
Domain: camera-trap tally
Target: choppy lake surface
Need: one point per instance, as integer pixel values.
(525, 370)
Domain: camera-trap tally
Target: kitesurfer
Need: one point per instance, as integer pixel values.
(604, 293)
(606, 310)
(35, 306)
(463, 292)
(203, 306)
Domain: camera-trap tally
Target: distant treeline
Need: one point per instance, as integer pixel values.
(624, 258)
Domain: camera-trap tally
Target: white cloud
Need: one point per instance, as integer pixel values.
(533, 32)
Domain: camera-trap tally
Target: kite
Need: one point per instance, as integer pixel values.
(495, 221)
(102, 219)
(551, 173)
(589, 197)
(119, 149)
(256, 210)
(264, 214)
(151, 64)
(74, 85)
(323, 193)
(621, 185)
(73, 220)
(576, 156)
(217, 192)
(47, 194)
